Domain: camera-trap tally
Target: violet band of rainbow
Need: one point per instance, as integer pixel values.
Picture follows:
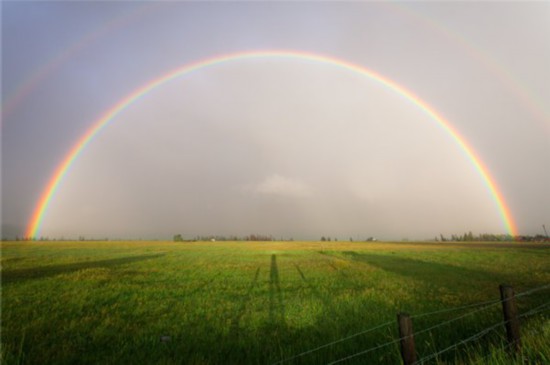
(34, 225)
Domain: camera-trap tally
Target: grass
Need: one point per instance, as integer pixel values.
(258, 303)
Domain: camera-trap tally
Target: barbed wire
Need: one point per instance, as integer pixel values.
(365, 351)
(469, 339)
(536, 310)
(455, 319)
(504, 346)
(539, 309)
(383, 325)
(334, 342)
(485, 304)
(405, 337)
(455, 309)
(527, 292)
(375, 328)
(533, 290)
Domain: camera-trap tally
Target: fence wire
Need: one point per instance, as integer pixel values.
(334, 342)
(541, 308)
(533, 290)
(455, 319)
(455, 309)
(505, 346)
(364, 352)
(462, 342)
(402, 338)
(485, 305)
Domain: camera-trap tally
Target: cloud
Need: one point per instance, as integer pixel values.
(283, 186)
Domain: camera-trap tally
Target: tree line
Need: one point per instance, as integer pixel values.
(466, 237)
(491, 237)
(251, 237)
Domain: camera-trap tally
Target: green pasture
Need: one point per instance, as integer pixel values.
(262, 302)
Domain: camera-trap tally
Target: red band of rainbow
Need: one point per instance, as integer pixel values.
(33, 229)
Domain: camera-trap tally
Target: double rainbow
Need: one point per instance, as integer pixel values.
(33, 229)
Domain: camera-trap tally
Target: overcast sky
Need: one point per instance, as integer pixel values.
(287, 147)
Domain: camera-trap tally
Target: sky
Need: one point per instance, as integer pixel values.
(284, 146)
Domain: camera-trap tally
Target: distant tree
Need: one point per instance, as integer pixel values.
(323, 239)
(178, 238)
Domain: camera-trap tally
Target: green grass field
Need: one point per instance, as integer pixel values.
(259, 303)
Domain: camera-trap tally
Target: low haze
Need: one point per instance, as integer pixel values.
(282, 146)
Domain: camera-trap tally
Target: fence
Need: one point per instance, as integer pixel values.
(511, 321)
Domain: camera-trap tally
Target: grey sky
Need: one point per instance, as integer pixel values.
(284, 147)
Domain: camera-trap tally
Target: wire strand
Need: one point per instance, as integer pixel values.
(469, 339)
(536, 310)
(486, 305)
(533, 290)
(539, 309)
(454, 319)
(334, 342)
(365, 351)
(414, 334)
(455, 309)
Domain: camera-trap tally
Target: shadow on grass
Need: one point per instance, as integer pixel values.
(202, 339)
(40, 272)
(276, 304)
(426, 271)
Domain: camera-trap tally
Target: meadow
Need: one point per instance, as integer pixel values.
(265, 302)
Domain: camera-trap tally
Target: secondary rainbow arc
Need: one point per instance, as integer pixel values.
(34, 225)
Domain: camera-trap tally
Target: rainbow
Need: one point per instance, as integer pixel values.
(38, 76)
(33, 229)
(530, 101)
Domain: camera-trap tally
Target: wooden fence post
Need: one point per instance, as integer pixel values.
(511, 319)
(408, 352)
